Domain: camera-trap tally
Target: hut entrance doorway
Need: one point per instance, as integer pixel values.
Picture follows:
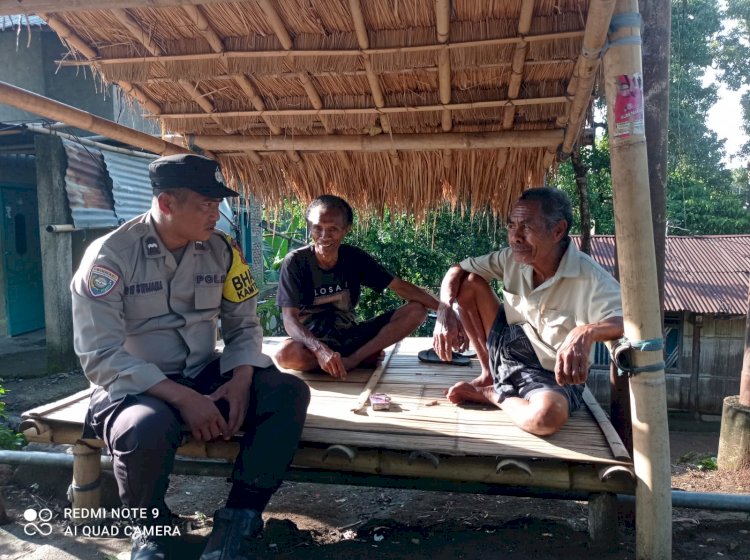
(22, 260)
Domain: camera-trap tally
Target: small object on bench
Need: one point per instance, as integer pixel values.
(380, 401)
(430, 357)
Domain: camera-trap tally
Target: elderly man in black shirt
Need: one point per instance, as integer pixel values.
(319, 289)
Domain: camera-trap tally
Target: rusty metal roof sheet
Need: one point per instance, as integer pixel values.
(87, 186)
(703, 274)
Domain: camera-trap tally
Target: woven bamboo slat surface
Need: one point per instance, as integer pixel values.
(420, 417)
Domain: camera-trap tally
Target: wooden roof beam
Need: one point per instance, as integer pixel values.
(490, 104)
(298, 54)
(519, 60)
(380, 143)
(443, 19)
(357, 73)
(77, 42)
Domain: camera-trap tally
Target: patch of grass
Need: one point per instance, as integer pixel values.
(707, 464)
(9, 439)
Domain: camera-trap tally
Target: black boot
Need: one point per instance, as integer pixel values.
(233, 528)
(145, 546)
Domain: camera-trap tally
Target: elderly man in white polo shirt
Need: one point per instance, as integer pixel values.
(535, 347)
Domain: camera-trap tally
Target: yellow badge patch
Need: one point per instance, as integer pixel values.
(240, 284)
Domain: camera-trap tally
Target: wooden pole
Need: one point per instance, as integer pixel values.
(380, 143)
(696, 365)
(640, 293)
(56, 111)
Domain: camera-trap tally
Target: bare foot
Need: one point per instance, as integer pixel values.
(466, 392)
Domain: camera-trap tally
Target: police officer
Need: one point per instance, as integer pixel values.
(146, 302)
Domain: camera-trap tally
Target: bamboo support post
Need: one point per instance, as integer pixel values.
(86, 477)
(640, 295)
(374, 379)
(56, 111)
(380, 143)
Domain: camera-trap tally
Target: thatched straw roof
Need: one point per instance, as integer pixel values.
(404, 103)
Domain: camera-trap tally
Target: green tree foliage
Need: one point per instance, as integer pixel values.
(703, 195)
(421, 255)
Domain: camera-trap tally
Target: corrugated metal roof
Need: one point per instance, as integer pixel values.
(12, 22)
(86, 183)
(703, 274)
(131, 186)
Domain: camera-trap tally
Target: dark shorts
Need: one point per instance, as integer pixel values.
(516, 370)
(347, 341)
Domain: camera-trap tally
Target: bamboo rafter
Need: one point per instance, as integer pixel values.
(380, 143)
(372, 110)
(301, 54)
(519, 60)
(377, 92)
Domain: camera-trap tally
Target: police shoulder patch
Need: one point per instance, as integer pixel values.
(239, 285)
(101, 281)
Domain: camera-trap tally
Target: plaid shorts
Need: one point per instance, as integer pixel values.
(516, 370)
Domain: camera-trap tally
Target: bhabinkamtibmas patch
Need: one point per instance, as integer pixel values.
(240, 284)
(101, 281)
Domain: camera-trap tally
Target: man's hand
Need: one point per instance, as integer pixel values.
(236, 392)
(572, 365)
(202, 417)
(330, 361)
(449, 333)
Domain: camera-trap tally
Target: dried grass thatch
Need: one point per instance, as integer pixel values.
(303, 68)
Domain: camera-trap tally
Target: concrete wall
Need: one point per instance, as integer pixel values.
(33, 65)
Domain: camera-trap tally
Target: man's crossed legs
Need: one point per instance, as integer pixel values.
(512, 377)
(361, 344)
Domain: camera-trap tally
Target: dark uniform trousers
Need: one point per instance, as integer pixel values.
(143, 433)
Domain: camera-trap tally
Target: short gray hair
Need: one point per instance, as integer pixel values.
(554, 203)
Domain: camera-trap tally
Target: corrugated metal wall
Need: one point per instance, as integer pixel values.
(87, 185)
(131, 187)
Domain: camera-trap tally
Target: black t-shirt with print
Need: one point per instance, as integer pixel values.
(327, 298)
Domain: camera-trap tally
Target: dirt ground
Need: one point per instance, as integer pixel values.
(316, 521)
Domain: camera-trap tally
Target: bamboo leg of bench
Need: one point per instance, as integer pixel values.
(603, 520)
(87, 467)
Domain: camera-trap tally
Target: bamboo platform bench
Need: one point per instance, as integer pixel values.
(423, 441)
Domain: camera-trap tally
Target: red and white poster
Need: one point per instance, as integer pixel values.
(629, 106)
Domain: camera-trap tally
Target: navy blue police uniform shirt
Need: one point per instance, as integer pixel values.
(327, 298)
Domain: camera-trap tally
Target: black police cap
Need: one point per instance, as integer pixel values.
(189, 171)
